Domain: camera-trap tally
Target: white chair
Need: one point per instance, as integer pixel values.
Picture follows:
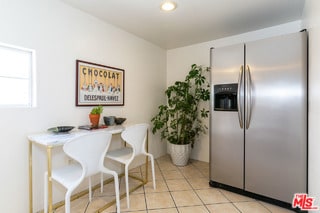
(88, 151)
(136, 137)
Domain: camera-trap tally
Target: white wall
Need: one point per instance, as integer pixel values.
(180, 59)
(311, 21)
(60, 35)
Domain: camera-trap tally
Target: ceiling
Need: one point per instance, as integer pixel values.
(193, 21)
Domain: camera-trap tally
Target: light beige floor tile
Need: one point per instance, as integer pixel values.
(137, 203)
(157, 172)
(170, 210)
(111, 209)
(178, 185)
(156, 168)
(188, 168)
(172, 174)
(191, 172)
(99, 202)
(203, 167)
(199, 183)
(193, 209)
(275, 209)
(161, 186)
(158, 176)
(162, 163)
(200, 164)
(251, 207)
(234, 197)
(186, 198)
(135, 174)
(205, 173)
(210, 196)
(138, 191)
(135, 183)
(132, 184)
(108, 190)
(134, 170)
(76, 206)
(222, 208)
(159, 200)
(167, 166)
(164, 157)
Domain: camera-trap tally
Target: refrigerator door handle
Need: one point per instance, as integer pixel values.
(239, 106)
(248, 97)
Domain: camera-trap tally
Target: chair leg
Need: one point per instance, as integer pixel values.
(67, 202)
(45, 209)
(101, 182)
(90, 190)
(127, 185)
(153, 173)
(152, 169)
(116, 186)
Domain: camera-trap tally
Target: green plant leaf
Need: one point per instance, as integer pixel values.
(179, 121)
(97, 110)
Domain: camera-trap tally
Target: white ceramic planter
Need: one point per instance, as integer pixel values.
(179, 153)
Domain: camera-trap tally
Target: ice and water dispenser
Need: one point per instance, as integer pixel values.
(225, 97)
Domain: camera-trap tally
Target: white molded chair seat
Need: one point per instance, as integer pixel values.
(122, 155)
(88, 151)
(68, 175)
(136, 137)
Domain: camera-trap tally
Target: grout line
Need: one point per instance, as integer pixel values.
(261, 203)
(236, 207)
(86, 208)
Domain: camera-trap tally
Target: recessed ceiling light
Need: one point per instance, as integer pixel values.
(168, 6)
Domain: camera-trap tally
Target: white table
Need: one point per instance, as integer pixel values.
(49, 141)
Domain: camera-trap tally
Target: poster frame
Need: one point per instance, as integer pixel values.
(91, 91)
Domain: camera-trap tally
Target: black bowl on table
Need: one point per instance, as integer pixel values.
(119, 121)
(109, 120)
(60, 129)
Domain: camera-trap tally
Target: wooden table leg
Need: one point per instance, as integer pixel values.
(49, 167)
(147, 162)
(30, 179)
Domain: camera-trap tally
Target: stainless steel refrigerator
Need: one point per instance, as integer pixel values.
(258, 139)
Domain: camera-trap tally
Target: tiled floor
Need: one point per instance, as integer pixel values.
(179, 190)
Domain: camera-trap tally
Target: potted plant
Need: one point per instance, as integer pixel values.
(94, 116)
(180, 120)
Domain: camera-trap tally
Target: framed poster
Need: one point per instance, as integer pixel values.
(98, 84)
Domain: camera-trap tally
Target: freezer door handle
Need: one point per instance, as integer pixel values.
(239, 106)
(248, 95)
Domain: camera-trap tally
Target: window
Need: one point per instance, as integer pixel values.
(17, 79)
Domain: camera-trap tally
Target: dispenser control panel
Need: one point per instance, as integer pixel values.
(225, 97)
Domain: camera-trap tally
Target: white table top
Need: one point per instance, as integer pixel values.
(58, 139)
